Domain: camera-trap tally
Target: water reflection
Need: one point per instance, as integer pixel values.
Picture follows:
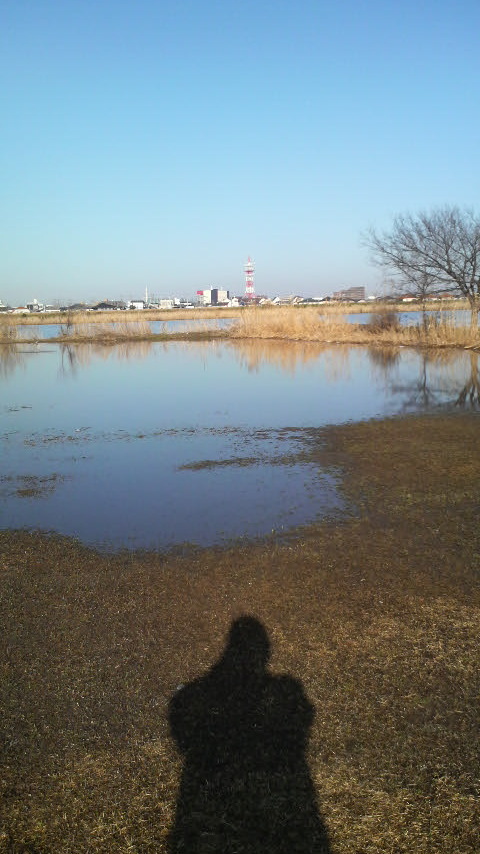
(153, 444)
(384, 358)
(76, 356)
(442, 378)
(469, 396)
(286, 355)
(11, 358)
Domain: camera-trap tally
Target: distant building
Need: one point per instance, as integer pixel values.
(213, 296)
(350, 294)
(35, 305)
(105, 305)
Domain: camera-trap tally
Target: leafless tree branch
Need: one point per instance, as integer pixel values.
(432, 251)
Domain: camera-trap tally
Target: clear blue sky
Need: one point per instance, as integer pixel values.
(159, 143)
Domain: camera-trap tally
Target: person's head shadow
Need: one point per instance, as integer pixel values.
(243, 733)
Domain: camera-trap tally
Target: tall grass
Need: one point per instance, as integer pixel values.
(111, 332)
(286, 323)
(107, 332)
(367, 307)
(8, 330)
(307, 325)
(91, 317)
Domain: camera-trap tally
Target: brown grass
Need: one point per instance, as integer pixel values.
(308, 325)
(380, 305)
(378, 615)
(90, 317)
(324, 325)
(112, 330)
(8, 331)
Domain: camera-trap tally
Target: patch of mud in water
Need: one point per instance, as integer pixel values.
(29, 485)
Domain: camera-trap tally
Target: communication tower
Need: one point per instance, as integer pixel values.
(249, 268)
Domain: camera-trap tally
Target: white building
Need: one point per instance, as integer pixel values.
(35, 305)
(213, 296)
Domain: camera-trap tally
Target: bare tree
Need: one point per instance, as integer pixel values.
(433, 251)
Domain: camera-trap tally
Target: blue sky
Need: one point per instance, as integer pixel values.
(158, 144)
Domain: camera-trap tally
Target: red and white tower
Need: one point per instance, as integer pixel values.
(249, 268)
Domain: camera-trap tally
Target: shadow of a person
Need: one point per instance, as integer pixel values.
(243, 732)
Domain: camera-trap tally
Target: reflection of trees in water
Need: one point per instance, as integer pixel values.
(243, 734)
(444, 377)
(337, 362)
(68, 360)
(75, 356)
(11, 358)
(470, 393)
(287, 355)
(384, 358)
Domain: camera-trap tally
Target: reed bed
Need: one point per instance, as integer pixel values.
(335, 307)
(384, 329)
(107, 332)
(132, 316)
(290, 324)
(309, 324)
(112, 332)
(8, 331)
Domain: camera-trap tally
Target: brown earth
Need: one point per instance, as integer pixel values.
(377, 614)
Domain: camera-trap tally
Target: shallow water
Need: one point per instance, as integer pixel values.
(43, 331)
(151, 445)
(459, 317)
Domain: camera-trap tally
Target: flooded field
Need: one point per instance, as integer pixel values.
(45, 331)
(150, 445)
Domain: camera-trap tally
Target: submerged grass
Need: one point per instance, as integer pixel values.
(378, 616)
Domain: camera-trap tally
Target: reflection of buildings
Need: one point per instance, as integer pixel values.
(350, 294)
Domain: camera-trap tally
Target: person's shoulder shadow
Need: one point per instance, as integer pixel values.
(245, 785)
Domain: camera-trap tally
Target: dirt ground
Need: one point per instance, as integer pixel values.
(374, 617)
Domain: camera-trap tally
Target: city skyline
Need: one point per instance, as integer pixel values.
(158, 145)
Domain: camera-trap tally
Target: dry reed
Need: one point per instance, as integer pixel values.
(110, 331)
(307, 325)
(312, 324)
(91, 317)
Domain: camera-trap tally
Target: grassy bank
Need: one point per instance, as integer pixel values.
(377, 614)
(210, 312)
(308, 324)
(384, 329)
(66, 318)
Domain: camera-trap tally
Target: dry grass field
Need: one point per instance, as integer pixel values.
(375, 615)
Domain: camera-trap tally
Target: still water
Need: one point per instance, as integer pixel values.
(43, 331)
(149, 445)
